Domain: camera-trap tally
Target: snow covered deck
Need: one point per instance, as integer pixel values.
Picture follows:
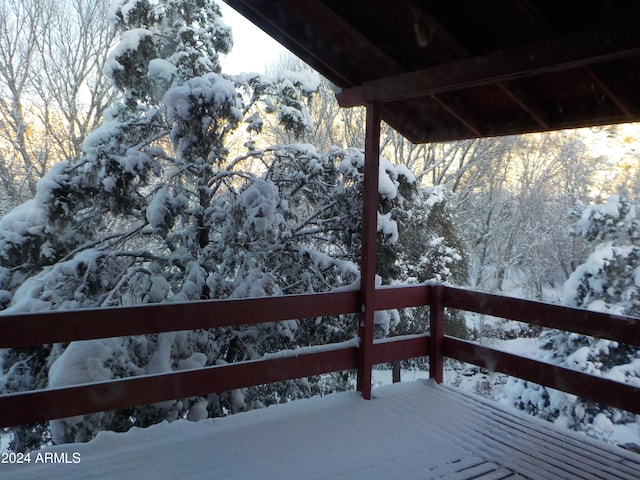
(409, 430)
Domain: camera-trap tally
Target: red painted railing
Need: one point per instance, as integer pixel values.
(621, 329)
(43, 328)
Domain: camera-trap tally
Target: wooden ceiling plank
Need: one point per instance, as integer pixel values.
(600, 84)
(534, 15)
(526, 104)
(463, 117)
(374, 49)
(436, 28)
(577, 50)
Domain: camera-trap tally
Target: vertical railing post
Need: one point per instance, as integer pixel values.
(369, 249)
(436, 326)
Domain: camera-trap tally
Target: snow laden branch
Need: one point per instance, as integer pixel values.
(608, 281)
(158, 209)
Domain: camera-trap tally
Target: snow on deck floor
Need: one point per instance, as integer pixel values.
(408, 431)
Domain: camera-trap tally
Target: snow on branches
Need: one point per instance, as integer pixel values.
(608, 281)
(158, 209)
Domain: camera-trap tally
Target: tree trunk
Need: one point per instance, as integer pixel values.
(395, 372)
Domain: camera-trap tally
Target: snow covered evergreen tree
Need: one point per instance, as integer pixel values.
(158, 209)
(430, 249)
(608, 281)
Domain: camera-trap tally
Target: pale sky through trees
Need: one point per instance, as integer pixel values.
(252, 49)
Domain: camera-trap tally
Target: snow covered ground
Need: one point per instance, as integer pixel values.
(409, 430)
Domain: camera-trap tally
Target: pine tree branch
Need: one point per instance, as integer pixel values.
(119, 237)
(123, 280)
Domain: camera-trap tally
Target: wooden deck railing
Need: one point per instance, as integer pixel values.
(620, 329)
(44, 328)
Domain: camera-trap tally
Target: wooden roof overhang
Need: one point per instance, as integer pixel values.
(457, 69)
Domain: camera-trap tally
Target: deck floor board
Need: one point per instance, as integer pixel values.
(410, 430)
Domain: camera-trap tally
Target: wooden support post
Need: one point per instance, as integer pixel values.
(369, 249)
(436, 320)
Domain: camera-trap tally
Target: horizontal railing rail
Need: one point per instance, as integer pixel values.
(27, 330)
(597, 389)
(596, 324)
(43, 328)
(66, 326)
(576, 320)
(49, 404)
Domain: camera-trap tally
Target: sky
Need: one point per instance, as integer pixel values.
(253, 49)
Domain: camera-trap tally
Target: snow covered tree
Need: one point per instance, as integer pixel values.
(158, 209)
(608, 281)
(514, 193)
(429, 248)
(52, 92)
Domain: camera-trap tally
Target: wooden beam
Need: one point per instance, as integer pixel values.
(65, 326)
(599, 83)
(595, 324)
(530, 106)
(459, 113)
(573, 51)
(369, 250)
(49, 404)
(590, 387)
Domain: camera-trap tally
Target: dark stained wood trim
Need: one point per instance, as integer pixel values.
(574, 51)
(42, 405)
(64, 326)
(590, 387)
(595, 324)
